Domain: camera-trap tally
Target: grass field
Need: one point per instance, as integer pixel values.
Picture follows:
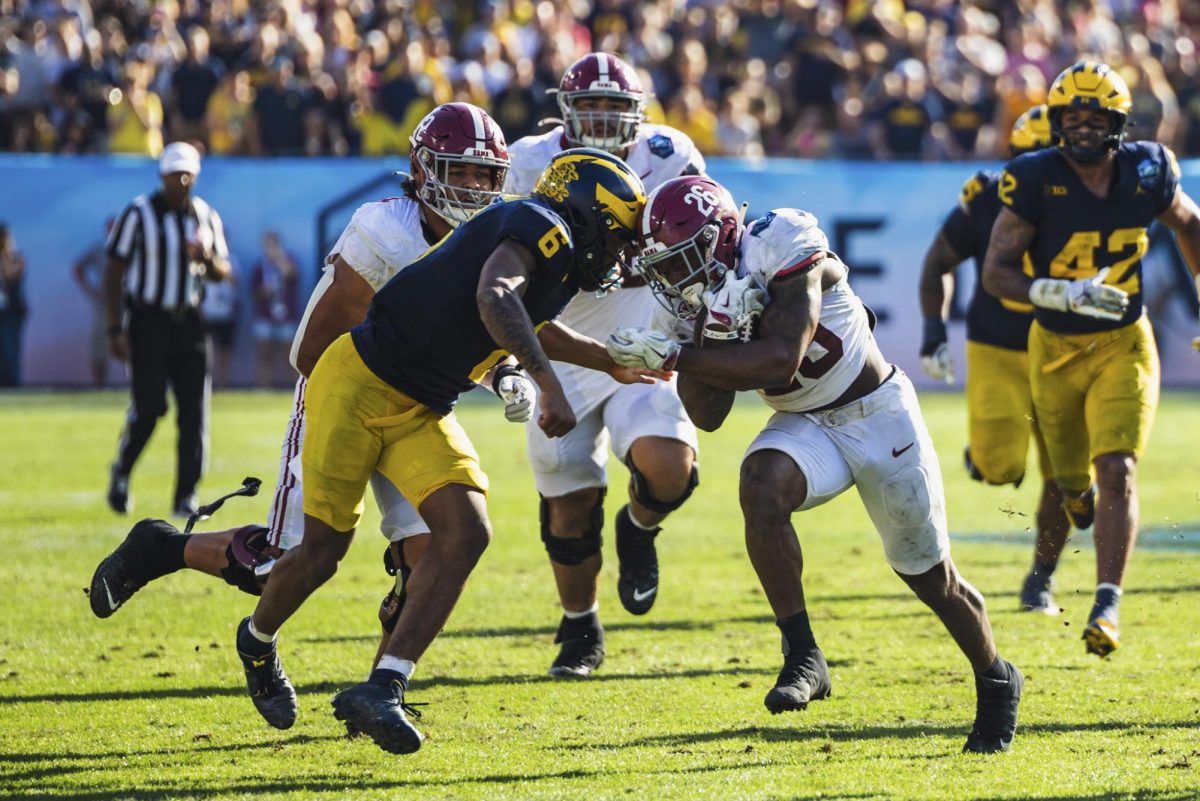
(149, 703)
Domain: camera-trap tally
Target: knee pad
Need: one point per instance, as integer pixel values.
(247, 549)
(573, 550)
(393, 602)
(976, 474)
(641, 489)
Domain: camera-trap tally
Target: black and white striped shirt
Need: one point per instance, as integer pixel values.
(152, 238)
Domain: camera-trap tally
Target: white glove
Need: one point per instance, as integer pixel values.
(938, 364)
(631, 346)
(733, 308)
(1090, 297)
(517, 392)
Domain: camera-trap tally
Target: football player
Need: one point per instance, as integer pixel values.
(999, 409)
(458, 160)
(1078, 214)
(381, 398)
(843, 417)
(602, 100)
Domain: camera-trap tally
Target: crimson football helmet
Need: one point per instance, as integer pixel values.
(601, 75)
(690, 231)
(457, 133)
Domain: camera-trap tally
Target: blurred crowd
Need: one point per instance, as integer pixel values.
(870, 79)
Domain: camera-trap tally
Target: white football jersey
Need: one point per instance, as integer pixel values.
(381, 239)
(786, 240)
(659, 154)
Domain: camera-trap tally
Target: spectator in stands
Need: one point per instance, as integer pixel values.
(230, 115)
(738, 131)
(220, 308)
(83, 91)
(280, 108)
(965, 130)
(276, 288)
(12, 308)
(688, 112)
(902, 125)
(192, 85)
(135, 121)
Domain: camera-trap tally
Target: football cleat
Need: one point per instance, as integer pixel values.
(379, 712)
(185, 507)
(127, 569)
(1102, 637)
(1036, 595)
(118, 492)
(582, 648)
(996, 702)
(1081, 511)
(637, 579)
(804, 678)
(270, 689)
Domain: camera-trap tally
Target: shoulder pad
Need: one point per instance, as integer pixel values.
(974, 185)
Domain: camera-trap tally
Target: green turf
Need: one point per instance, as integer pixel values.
(149, 704)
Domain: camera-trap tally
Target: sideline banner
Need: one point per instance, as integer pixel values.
(880, 217)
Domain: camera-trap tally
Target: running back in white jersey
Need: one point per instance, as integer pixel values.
(659, 154)
(784, 241)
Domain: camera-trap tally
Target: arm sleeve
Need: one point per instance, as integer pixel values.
(1170, 180)
(958, 231)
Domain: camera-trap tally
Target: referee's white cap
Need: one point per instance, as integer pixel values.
(179, 157)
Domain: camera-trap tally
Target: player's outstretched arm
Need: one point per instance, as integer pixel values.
(567, 345)
(1183, 217)
(787, 328)
(1003, 270)
(935, 288)
(502, 282)
(339, 302)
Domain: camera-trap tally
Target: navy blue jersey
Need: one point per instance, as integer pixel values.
(423, 333)
(990, 320)
(1079, 234)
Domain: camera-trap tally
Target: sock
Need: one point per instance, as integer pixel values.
(998, 670)
(628, 510)
(392, 669)
(1108, 599)
(797, 633)
(580, 615)
(171, 552)
(252, 642)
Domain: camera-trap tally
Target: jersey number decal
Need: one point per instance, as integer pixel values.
(815, 368)
(552, 241)
(704, 201)
(1077, 259)
(1008, 183)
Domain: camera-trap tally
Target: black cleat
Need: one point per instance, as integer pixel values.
(185, 507)
(1037, 595)
(637, 581)
(118, 492)
(1081, 511)
(996, 704)
(582, 648)
(379, 712)
(127, 569)
(804, 678)
(270, 689)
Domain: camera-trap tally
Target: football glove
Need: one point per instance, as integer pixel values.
(935, 352)
(733, 307)
(631, 346)
(516, 390)
(1090, 297)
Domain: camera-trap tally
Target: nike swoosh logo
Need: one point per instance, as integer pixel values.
(641, 596)
(112, 605)
(896, 453)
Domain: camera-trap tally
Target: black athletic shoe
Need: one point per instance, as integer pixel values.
(1081, 511)
(804, 678)
(127, 569)
(582, 648)
(1037, 594)
(380, 713)
(996, 704)
(637, 580)
(118, 492)
(272, 693)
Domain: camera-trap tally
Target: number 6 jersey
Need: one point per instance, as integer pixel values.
(1079, 233)
(786, 241)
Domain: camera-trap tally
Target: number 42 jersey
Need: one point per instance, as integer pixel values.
(785, 242)
(1080, 233)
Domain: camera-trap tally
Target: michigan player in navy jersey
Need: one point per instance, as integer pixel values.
(999, 409)
(382, 398)
(1080, 212)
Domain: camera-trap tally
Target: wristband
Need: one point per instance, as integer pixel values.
(935, 329)
(503, 371)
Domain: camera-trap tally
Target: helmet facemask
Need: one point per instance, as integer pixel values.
(452, 203)
(1088, 154)
(693, 258)
(611, 131)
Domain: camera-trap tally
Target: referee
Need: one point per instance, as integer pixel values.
(162, 248)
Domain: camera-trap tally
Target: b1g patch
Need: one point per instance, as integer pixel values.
(661, 145)
(1147, 173)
